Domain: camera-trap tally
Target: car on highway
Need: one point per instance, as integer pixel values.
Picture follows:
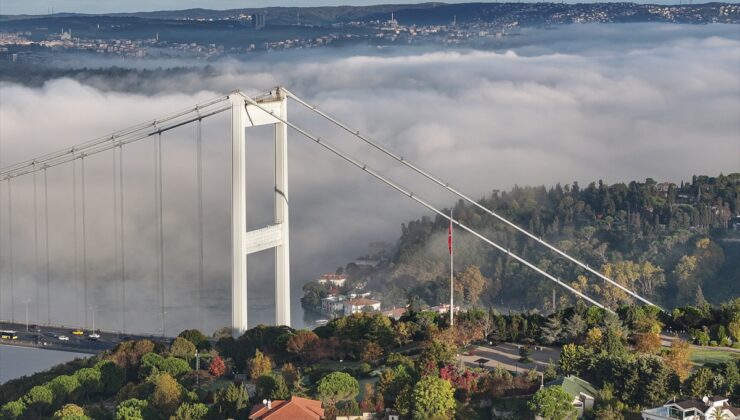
(78, 332)
(93, 337)
(64, 338)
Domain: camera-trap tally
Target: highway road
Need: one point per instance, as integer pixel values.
(50, 338)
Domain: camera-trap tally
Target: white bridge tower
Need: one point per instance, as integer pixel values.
(243, 116)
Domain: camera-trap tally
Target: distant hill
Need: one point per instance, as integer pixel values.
(673, 243)
(441, 13)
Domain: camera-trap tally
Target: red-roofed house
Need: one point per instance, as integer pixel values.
(294, 409)
(337, 280)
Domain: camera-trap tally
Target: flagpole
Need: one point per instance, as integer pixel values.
(452, 288)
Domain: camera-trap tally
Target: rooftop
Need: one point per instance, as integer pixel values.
(294, 409)
(574, 386)
(363, 302)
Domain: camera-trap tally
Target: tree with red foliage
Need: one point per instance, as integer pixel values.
(217, 367)
(464, 380)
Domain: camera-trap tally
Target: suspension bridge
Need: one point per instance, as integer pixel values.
(270, 109)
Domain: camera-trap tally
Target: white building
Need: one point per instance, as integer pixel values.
(443, 308)
(708, 407)
(337, 280)
(353, 306)
(332, 304)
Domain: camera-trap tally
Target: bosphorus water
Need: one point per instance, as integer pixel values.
(19, 361)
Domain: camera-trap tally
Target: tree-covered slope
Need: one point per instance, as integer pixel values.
(672, 243)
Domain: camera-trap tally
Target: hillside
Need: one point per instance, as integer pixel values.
(672, 243)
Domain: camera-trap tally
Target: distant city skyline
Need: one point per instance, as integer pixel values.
(12, 7)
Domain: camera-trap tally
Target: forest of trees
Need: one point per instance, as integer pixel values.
(675, 244)
(410, 365)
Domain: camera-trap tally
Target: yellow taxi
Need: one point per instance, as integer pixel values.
(78, 332)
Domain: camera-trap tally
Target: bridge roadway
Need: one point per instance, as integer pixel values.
(48, 337)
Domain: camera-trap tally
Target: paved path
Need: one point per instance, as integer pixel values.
(506, 356)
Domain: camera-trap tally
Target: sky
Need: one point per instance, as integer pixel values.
(580, 102)
(109, 6)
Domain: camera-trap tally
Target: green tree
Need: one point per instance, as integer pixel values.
(132, 409)
(699, 384)
(574, 328)
(404, 401)
(196, 337)
(231, 401)
(734, 328)
(436, 354)
(182, 348)
(150, 364)
(111, 377)
(89, 379)
(551, 330)
(174, 366)
(313, 292)
(39, 399)
(570, 359)
(13, 409)
(63, 387)
(259, 365)
(393, 381)
(470, 283)
(71, 412)
(265, 385)
(281, 391)
(192, 411)
(167, 394)
(553, 403)
(337, 386)
(433, 397)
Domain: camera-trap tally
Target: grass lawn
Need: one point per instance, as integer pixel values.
(703, 356)
(218, 384)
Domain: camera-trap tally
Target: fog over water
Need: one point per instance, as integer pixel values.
(588, 102)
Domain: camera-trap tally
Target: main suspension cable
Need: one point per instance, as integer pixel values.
(448, 187)
(128, 135)
(419, 200)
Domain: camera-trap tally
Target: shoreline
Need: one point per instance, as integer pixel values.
(65, 349)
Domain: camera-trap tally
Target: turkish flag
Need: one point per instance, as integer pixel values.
(449, 237)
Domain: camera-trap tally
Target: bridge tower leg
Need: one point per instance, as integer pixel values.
(238, 216)
(282, 251)
(244, 242)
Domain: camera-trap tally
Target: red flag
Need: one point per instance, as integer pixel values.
(449, 238)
